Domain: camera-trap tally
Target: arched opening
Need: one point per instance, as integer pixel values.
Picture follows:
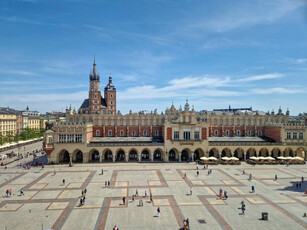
(157, 155)
(172, 155)
(226, 152)
(95, 156)
(239, 153)
(250, 153)
(133, 155)
(120, 156)
(198, 153)
(145, 155)
(108, 156)
(276, 152)
(264, 152)
(64, 157)
(214, 153)
(79, 157)
(184, 155)
(301, 152)
(289, 152)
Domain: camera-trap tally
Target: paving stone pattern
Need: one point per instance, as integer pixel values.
(48, 203)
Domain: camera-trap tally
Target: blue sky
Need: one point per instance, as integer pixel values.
(216, 53)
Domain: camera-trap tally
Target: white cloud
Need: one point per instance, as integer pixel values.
(276, 90)
(301, 61)
(250, 13)
(261, 77)
(19, 72)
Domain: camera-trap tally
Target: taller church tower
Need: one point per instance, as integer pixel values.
(94, 92)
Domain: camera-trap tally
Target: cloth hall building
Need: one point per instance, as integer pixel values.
(97, 132)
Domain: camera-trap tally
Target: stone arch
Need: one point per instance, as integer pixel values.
(78, 156)
(133, 155)
(64, 156)
(214, 152)
(289, 152)
(251, 152)
(198, 153)
(185, 154)
(226, 152)
(145, 155)
(120, 155)
(94, 155)
(108, 155)
(157, 155)
(239, 153)
(276, 152)
(264, 152)
(301, 152)
(173, 154)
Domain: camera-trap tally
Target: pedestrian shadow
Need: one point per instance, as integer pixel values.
(294, 188)
(155, 216)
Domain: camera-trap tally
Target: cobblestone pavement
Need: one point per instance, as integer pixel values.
(48, 203)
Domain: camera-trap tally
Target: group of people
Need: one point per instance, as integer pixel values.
(107, 184)
(221, 194)
(82, 198)
(8, 192)
(186, 224)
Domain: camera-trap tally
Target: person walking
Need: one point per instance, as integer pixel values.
(136, 192)
(197, 173)
(242, 207)
(10, 192)
(250, 177)
(187, 223)
(105, 184)
(124, 200)
(145, 193)
(158, 211)
(225, 195)
(185, 175)
(7, 192)
(221, 193)
(63, 181)
(132, 197)
(191, 191)
(101, 171)
(253, 188)
(83, 201)
(85, 190)
(276, 177)
(21, 192)
(150, 197)
(109, 183)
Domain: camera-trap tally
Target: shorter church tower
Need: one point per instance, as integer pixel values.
(110, 97)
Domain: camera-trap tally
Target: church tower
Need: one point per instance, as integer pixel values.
(110, 97)
(94, 92)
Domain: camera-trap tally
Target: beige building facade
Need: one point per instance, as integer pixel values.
(101, 134)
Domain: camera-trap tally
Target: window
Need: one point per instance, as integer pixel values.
(157, 133)
(176, 135)
(97, 133)
(111, 102)
(288, 135)
(260, 133)
(196, 135)
(50, 140)
(133, 133)
(238, 133)
(110, 133)
(216, 133)
(294, 135)
(227, 133)
(186, 135)
(111, 95)
(301, 136)
(122, 133)
(145, 133)
(249, 133)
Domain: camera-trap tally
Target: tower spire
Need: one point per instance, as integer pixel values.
(94, 65)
